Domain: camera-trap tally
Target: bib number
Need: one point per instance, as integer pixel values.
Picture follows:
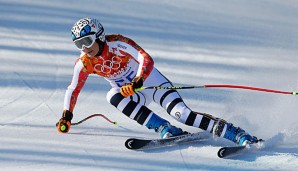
(127, 78)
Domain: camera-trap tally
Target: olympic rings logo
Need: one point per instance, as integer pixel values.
(108, 66)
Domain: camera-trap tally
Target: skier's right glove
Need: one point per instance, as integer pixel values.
(64, 123)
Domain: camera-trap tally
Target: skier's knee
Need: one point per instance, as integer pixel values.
(181, 114)
(114, 97)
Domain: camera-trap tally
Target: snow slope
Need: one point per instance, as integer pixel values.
(252, 43)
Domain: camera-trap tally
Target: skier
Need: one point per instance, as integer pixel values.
(126, 66)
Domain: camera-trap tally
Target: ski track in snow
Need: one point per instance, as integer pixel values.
(193, 43)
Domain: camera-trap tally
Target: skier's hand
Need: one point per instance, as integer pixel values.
(129, 89)
(64, 123)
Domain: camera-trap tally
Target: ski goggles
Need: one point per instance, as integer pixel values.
(85, 42)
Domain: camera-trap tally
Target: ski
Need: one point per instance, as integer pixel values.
(225, 152)
(229, 151)
(144, 144)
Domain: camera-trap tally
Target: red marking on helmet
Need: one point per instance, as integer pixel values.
(93, 26)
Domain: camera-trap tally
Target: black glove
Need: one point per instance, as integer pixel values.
(129, 89)
(64, 123)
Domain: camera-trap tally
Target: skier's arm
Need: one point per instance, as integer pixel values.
(146, 65)
(73, 90)
(79, 78)
(145, 61)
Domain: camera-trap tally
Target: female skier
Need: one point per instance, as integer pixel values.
(126, 66)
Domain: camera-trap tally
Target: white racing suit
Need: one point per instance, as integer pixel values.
(122, 60)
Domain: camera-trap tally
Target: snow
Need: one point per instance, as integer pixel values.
(253, 43)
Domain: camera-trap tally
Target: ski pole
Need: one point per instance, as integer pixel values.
(216, 86)
(94, 115)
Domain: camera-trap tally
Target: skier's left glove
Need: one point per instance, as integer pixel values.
(64, 123)
(129, 89)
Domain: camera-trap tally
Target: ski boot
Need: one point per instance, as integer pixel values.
(163, 127)
(234, 134)
(167, 130)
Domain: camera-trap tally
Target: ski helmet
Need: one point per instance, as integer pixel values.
(86, 27)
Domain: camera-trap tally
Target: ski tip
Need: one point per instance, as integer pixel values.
(129, 143)
(220, 152)
(136, 144)
(225, 152)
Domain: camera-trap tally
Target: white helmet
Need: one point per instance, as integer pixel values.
(87, 26)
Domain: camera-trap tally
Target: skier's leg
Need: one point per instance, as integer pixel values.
(174, 105)
(172, 102)
(134, 108)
